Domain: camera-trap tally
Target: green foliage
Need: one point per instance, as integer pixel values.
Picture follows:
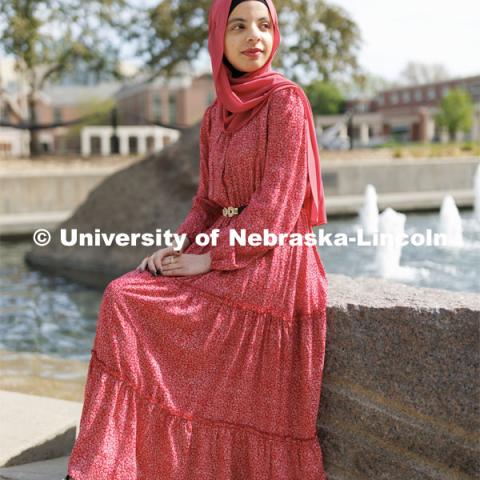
(320, 38)
(425, 150)
(469, 146)
(390, 143)
(325, 98)
(96, 112)
(47, 38)
(456, 111)
(398, 152)
(363, 84)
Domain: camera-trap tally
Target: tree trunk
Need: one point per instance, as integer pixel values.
(452, 134)
(32, 115)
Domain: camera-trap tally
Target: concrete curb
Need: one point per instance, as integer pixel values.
(54, 469)
(35, 428)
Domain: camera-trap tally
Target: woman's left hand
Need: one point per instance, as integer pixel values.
(185, 264)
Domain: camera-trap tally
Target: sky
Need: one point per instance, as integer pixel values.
(428, 31)
(398, 31)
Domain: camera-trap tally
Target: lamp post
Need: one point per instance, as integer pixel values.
(350, 128)
(114, 146)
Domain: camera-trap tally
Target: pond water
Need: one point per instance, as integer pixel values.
(53, 316)
(455, 269)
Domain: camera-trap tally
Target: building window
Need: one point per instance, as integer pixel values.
(132, 145)
(157, 108)
(172, 108)
(380, 100)
(406, 97)
(394, 98)
(150, 144)
(431, 93)
(445, 90)
(95, 145)
(474, 90)
(418, 95)
(57, 115)
(361, 107)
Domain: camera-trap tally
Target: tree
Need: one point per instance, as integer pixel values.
(456, 112)
(47, 38)
(364, 85)
(416, 73)
(94, 112)
(325, 98)
(317, 38)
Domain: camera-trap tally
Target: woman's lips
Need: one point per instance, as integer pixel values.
(252, 54)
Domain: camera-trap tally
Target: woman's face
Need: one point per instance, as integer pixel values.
(248, 27)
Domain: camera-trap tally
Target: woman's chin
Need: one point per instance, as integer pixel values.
(250, 67)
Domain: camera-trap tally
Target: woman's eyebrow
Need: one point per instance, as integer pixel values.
(243, 20)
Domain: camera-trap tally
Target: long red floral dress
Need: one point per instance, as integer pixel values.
(218, 376)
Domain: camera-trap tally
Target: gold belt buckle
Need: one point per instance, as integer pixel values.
(230, 211)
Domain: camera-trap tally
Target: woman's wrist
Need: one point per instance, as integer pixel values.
(185, 244)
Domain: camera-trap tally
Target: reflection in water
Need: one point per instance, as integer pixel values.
(44, 314)
(47, 326)
(37, 374)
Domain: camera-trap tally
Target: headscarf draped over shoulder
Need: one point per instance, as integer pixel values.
(241, 98)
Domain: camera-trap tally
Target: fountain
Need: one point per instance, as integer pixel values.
(389, 250)
(450, 223)
(368, 213)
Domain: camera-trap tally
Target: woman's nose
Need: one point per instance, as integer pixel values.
(253, 36)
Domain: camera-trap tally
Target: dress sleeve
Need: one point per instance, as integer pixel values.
(201, 215)
(277, 202)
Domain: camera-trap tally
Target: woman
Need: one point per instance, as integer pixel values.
(212, 370)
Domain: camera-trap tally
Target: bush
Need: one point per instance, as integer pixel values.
(467, 146)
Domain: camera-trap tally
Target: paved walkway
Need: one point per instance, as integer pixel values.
(55, 469)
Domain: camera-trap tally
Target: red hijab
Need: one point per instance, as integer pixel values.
(241, 98)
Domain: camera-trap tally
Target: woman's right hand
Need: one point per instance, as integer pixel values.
(154, 261)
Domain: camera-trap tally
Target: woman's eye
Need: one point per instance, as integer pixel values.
(265, 25)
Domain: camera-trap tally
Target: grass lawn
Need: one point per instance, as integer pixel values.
(418, 149)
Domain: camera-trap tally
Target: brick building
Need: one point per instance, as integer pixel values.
(406, 114)
(181, 101)
(175, 102)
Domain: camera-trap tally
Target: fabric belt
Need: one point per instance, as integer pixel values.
(231, 211)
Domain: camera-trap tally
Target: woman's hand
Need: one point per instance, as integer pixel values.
(185, 264)
(170, 262)
(154, 262)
